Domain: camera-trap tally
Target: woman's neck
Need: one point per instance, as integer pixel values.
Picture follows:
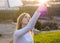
(23, 26)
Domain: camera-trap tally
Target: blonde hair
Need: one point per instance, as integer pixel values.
(19, 20)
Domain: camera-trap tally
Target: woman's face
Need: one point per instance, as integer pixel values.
(25, 20)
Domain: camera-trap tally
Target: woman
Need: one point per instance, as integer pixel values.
(25, 25)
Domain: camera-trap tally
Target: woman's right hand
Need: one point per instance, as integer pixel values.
(42, 9)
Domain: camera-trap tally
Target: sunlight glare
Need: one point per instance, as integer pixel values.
(43, 1)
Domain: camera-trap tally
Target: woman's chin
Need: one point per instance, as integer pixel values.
(25, 23)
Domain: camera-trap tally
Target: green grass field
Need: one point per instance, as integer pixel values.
(49, 37)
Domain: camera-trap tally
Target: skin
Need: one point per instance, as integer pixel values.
(25, 21)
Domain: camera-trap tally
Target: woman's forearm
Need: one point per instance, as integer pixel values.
(33, 20)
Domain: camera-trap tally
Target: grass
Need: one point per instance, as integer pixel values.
(49, 37)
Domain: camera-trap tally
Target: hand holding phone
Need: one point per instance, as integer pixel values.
(42, 10)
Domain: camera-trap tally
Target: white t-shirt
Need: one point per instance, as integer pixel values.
(27, 38)
(23, 35)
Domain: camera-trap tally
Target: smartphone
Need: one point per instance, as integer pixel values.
(43, 9)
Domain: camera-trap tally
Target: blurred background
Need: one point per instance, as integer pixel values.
(48, 22)
(30, 6)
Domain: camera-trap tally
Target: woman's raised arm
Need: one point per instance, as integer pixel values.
(30, 25)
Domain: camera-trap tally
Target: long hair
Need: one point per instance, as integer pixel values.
(19, 20)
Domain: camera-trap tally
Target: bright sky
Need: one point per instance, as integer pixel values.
(43, 1)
